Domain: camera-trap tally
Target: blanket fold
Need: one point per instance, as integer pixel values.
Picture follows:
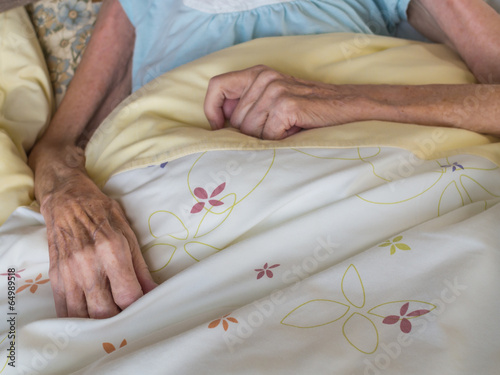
(164, 120)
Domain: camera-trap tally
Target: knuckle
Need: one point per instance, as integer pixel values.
(276, 88)
(117, 209)
(215, 81)
(259, 68)
(269, 75)
(111, 244)
(115, 205)
(78, 256)
(287, 104)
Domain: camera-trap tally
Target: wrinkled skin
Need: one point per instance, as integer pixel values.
(267, 104)
(96, 266)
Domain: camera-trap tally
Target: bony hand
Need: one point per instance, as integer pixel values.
(267, 104)
(96, 266)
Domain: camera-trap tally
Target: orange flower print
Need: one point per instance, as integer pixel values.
(33, 284)
(224, 321)
(110, 348)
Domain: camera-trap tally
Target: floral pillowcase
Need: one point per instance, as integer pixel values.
(64, 28)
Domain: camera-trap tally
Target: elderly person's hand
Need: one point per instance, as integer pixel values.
(267, 104)
(96, 266)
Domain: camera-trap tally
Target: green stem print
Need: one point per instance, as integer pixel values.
(359, 330)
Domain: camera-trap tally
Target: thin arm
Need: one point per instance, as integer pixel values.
(102, 80)
(471, 27)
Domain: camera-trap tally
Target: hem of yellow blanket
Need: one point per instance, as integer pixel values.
(425, 148)
(196, 137)
(489, 151)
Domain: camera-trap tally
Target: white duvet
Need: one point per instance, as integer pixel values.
(303, 261)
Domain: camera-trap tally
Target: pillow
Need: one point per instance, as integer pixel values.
(63, 28)
(26, 104)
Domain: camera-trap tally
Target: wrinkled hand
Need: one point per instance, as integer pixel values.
(96, 266)
(266, 104)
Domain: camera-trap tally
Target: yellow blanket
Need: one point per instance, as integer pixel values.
(164, 120)
(25, 106)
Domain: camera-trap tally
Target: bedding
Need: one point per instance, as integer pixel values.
(368, 248)
(26, 104)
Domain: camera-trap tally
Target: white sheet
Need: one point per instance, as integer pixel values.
(309, 253)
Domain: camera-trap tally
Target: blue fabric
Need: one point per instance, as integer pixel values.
(170, 33)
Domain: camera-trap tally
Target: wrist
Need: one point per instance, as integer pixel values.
(53, 165)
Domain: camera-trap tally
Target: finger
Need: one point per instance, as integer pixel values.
(76, 302)
(141, 268)
(278, 113)
(213, 105)
(73, 269)
(229, 106)
(57, 245)
(58, 293)
(282, 121)
(269, 124)
(271, 105)
(226, 86)
(267, 85)
(293, 130)
(55, 281)
(84, 283)
(278, 127)
(254, 122)
(116, 258)
(89, 294)
(100, 303)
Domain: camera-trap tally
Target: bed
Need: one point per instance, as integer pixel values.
(368, 248)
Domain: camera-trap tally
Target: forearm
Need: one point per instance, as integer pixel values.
(470, 107)
(101, 81)
(267, 104)
(471, 27)
(96, 265)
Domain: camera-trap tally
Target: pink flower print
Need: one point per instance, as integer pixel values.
(266, 271)
(17, 273)
(405, 324)
(202, 194)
